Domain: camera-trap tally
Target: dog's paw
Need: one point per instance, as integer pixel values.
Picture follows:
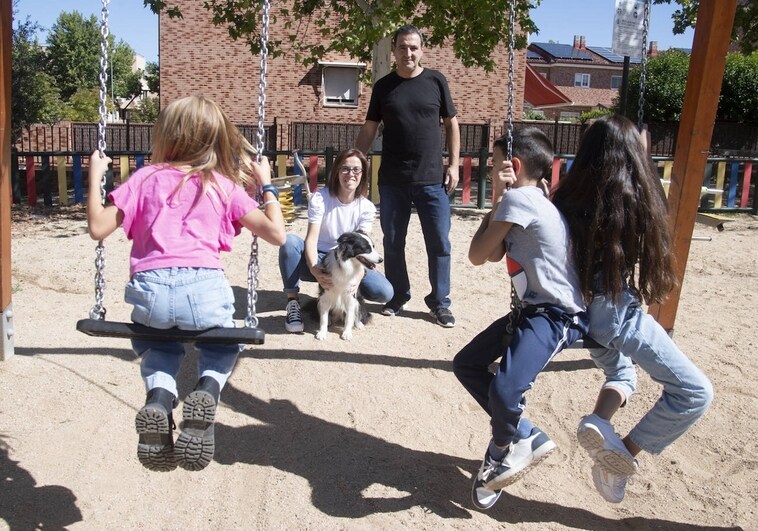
(321, 335)
(359, 325)
(347, 335)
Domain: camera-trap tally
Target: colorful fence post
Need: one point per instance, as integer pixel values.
(62, 183)
(313, 172)
(555, 174)
(139, 161)
(31, 182)
(733, 178)
(746, 178)
(720, 172)
(123, 166)
(484, 155)
(78, 180)
(466, 192)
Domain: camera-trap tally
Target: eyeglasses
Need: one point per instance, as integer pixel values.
(344, 170)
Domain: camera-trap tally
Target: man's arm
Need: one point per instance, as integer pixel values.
(366, 135)
(453, 135)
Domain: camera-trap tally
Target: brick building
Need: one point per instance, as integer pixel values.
(198, 57)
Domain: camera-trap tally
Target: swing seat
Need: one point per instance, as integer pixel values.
(101, 328)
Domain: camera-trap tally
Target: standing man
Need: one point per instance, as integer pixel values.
(410, 102)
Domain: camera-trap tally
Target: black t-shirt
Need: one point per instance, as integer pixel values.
(412, 140)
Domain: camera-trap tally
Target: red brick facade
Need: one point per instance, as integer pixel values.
(198, 57)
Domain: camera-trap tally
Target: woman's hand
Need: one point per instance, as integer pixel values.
(321, 276)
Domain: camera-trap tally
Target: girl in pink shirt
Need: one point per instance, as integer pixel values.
(180, 213)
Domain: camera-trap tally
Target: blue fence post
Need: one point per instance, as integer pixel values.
(78, 181)
(297, 190)
(139, 161)
(733, 178)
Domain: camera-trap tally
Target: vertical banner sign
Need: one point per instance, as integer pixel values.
(627, 27)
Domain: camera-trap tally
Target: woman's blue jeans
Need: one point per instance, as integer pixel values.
(187, 298)
(374, 286)
(630, 334)
(433, 206)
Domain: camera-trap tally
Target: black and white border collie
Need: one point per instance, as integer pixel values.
(345, 265)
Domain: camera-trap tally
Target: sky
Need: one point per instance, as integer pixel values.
(557, 20)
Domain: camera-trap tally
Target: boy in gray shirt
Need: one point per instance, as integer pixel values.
(547, 310)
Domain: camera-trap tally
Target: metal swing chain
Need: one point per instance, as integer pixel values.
(253, 267)
(515, 302)
(98, 310)
(643, 65)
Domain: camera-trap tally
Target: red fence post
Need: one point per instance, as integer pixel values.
(746, 184)
(313, 172)
(466, 194)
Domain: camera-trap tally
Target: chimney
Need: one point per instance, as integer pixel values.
(576, 41)
(653, 50)
(582, 42)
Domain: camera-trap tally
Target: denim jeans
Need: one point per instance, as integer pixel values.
(374, 287)
(540, 335)
(433, 207)
(631, 334)
(189, 299)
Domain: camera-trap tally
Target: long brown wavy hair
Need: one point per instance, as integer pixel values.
(614, 203)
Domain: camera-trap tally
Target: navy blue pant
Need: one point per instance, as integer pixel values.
(541, 333)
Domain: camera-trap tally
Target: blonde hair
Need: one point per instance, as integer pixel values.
(195, 132)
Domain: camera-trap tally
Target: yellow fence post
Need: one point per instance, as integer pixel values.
(124, 167)
(720, 172)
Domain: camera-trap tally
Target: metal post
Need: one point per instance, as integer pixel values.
(624, 87)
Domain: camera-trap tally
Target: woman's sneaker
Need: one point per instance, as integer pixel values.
(294, 320)
(597, 436)
(493, 475)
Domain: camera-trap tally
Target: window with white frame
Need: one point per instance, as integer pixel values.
(581, 80)
(615, 82)
(340, 85)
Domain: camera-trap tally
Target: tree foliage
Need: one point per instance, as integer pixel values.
(666, 80)
(152, 76)
(353, 27)
(34, 96)
(744, 30)
(74, 57)
(147, 111)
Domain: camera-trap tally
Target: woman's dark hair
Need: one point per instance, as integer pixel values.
(616, 210)
(333, 183)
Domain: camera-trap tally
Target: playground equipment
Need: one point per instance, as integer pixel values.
(96, 324)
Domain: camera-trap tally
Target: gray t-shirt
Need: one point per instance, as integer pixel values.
(538, 258)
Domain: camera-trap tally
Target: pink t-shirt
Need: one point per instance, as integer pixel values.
(172, 227)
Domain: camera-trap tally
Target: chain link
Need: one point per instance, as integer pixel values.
(253, 266)
(511, 69)
(643, 67)
(98, 310)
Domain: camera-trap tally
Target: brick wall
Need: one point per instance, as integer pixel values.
(198, 57)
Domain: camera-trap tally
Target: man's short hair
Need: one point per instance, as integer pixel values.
(408, 29)
(531, 145)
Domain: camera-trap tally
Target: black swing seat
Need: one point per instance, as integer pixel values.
(101, 328)
(586, 342)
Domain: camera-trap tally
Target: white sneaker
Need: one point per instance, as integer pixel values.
(521, 457)
(294, 320)
(604, 446)
(611, 487)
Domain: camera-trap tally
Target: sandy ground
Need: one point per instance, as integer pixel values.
(375, 433)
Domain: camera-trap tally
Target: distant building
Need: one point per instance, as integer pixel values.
(589, 77)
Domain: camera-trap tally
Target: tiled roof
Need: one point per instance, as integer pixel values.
(590, 97)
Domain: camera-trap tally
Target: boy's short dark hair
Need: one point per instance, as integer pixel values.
(406, 30)
(532, 146)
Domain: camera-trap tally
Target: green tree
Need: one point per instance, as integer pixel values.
(152, 76)
(84, 105)
(74, 52)
(744, 30)
(147, 111)
(354, 27)
(34, 97)
(739, 90)
(665, 82)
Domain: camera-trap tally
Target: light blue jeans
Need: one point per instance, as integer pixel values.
(187, 298)
(374, 286)
(630, 334)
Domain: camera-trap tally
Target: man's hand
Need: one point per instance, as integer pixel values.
(451, 179)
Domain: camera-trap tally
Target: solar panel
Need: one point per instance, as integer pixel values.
(564, 51)
(533, 55)
(610, 55)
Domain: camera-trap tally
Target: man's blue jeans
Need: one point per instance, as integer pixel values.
(374, 287)
(632, 334)
(188, 298)
(433, 207)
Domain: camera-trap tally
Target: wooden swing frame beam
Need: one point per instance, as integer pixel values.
(710, 45)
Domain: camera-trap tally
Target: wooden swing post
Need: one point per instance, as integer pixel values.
(710, 44)
(6, 307)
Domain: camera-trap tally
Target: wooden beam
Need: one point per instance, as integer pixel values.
(6, 309)
(710, 44)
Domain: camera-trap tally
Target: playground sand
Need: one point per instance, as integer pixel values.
(375, 433)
